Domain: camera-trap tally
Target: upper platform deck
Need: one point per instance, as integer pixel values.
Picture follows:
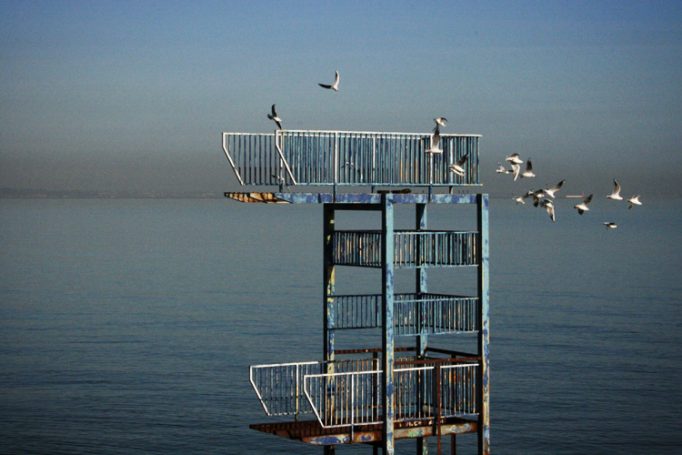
(350, 158)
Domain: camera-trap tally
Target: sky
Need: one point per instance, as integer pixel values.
(134, 95)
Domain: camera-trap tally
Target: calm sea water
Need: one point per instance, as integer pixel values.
(127, 326)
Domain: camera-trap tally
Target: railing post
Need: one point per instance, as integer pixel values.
(387, 338)
(483, 395)
(422, 338)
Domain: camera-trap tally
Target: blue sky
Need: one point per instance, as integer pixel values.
(99, 95)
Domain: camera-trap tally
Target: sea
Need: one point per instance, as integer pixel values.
(127, 326)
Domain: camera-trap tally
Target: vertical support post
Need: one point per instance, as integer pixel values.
(387, 335)
(484, 327)
(329, 282)
(328, 311)
(421, 288)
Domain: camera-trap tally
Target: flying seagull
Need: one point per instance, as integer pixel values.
(610, 225)
(516, 170)
(582, 207)
(549, 206)
(502, 170)
(520, 200)
(335, 85)
(275, 118)
(528, 173)
(458, 167)
(615, 194)
(514, 158)
(551, 192)
(634, 200)
(434, 146)
(442, 121)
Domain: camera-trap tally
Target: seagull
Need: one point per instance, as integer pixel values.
(458, 168)
(582, 207)
(553, 190)
(442, 121)
(520, 200)
(549, 206)
(634, 200)
(502, 170)
(615, 194)
(434, 146)
(514, 158)
(516, 170)
(528, 173)
(335, 85)
(610, 225)
(275, 118)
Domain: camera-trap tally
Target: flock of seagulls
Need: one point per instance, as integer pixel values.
(434, 147)
(545, 197)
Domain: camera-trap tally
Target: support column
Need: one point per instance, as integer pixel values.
(484, 324)
(387, 335)
(421, 288)
(328, 311)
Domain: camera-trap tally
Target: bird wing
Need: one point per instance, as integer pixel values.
(529, 165)
(588, 199)
(325, 85)
(274, 113)
(337, 78)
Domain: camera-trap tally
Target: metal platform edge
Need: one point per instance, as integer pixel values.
(310, 431)
(350, 198)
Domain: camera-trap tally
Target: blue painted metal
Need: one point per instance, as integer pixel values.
(349, 158)
(421, 287)
(484, 333)
(387, 335)
(329, 274)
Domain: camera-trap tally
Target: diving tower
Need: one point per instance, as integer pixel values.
(414, 385)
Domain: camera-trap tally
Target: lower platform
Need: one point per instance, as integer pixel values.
(310, 431)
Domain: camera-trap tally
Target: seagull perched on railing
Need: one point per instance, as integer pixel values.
(615, 194)
(458, 167)
(335, 85)
(275, 118)
(582, 207)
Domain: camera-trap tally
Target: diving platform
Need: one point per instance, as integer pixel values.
(350, 159)
(412, 385)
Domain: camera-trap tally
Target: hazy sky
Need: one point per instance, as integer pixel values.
(99, 95)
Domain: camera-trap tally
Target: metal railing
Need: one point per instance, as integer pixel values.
(421, 392)
(411, 248)
(347, 158)
(413, 314)
(279, 386)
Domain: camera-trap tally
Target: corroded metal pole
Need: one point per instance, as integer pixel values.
(328, 311)
(484, 327)
(421, 288)
(387, 336)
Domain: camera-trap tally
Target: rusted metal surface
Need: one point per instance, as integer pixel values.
(346, 200)
(311, 432)
(399, 392)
